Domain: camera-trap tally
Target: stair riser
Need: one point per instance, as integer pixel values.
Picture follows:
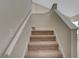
(42, 33)
(43, 47)
(33, 40)
(40, 39)
(43, 56)
(43, 38)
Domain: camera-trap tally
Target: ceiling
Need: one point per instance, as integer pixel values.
(67, 7)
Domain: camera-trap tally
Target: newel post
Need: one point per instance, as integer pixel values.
(54, 6)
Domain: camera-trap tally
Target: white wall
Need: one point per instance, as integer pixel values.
(46, 3)
(67, 7)
(36, 8)
(21, 47)
(12, 13)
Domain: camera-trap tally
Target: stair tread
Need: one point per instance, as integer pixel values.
(43, 43)
(42, 35)
(43, 30)
(44, 53)
(43, 38)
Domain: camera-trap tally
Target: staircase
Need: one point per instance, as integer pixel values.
(43, 44)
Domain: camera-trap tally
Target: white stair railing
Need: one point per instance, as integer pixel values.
(16, 38)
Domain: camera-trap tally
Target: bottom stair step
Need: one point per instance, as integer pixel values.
(43, 45)
(44, 54)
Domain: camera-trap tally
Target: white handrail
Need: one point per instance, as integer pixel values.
(14, 41)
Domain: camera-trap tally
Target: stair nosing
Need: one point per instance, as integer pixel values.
(43, 35)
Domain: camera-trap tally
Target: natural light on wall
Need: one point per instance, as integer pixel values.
(45, 3)
(76, 23)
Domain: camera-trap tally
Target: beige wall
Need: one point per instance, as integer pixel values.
(36, 8)
(12, 13)
(63, 33)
